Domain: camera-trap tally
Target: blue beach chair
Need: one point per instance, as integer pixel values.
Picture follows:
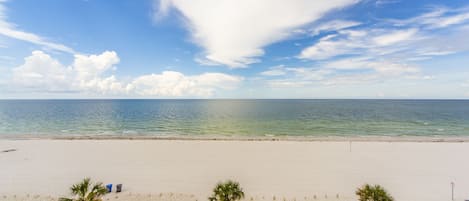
(109, 188)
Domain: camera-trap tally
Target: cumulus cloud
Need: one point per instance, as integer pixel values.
(235, 39)
(87, 74)
(41, 71)
(10, 30)
(171, 83)
(88, 67)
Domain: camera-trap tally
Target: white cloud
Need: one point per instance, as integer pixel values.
(301, 73)
(102, 85)
(394, 37)
(438, 17)
(40, 71)
(309, 74)
(171, 83)
(382, 67)
(274, 71)
(409, 44)
(348, 64)
(296, 76)
(10, 30)
(436, 53)
(359, 70)
(335, 25)
(384, 2)
(87, 75)
(413, 39)
(89, 67)
(393, 69)
(235, 39)
(89, 70)
(451, 20)
(353, 79)
(351, 71)
(345, 42)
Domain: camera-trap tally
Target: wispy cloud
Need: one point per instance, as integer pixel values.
(380, 3)
(10, 30)
(274, 71)
(233, 33)
(334, 25)
(395, 37)
(412, 39)
(347, 55)
(381, 67)
(343, 42)
(437, 17)
(342, 72)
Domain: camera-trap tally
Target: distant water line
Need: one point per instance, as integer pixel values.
(306, 118)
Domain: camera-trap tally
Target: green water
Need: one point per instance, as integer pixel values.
(235, 117)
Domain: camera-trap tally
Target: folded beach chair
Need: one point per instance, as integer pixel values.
(109, 188)
(118, 188)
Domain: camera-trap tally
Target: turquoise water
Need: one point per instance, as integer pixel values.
(235, 117)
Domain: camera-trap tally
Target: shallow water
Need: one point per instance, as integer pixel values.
(235, 117)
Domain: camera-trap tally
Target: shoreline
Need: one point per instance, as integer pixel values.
(455, 139)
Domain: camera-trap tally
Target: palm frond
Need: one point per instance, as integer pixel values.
(373, 193)
(86, 191)
(227, 191)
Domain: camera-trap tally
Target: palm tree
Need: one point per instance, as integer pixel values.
(86, 191)
(373, 193)
(227, 191)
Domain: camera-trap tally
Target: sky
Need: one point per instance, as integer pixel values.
(389, 49)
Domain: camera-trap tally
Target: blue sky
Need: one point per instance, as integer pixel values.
(234, 49)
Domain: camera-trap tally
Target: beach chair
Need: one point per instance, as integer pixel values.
(118, 188)
(109, 188)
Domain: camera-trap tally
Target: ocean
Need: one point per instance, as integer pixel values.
(315, 118)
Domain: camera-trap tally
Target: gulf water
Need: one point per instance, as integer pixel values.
(234, 117)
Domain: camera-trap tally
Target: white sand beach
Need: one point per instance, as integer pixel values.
(44, 169)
